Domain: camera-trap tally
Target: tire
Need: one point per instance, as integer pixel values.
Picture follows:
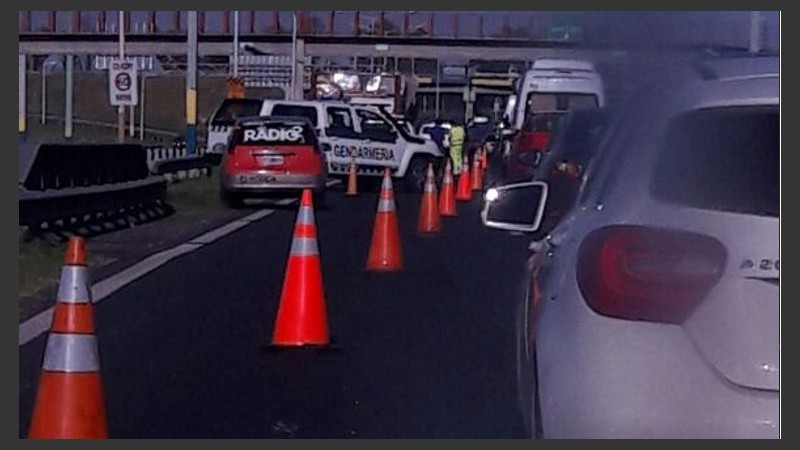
(416, 172)
(231, 199)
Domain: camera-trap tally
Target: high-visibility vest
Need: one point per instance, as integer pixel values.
(457, 136)
(457, 147)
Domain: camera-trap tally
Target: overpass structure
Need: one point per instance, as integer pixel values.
(409, 42)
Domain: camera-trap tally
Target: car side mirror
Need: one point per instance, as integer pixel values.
(515, 207)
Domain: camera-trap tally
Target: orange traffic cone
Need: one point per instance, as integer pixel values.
(69, 401)
(302, 318)
(352, 181)
(447, 199)
(477, 173)
(429, 220)
(385, 254)
(484, 159)
(464, 192)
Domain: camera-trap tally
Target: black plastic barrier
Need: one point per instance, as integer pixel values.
(58, 166)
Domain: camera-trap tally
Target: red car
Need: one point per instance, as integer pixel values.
(272, 156)
(529, 144)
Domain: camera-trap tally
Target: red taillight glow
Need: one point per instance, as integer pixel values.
(532, 140)
(648, 274)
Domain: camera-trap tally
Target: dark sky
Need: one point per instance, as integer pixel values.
(722, 27)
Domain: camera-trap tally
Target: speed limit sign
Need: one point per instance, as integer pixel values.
(123, 90)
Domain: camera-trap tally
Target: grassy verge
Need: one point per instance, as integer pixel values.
(196, 197)
(40, 260)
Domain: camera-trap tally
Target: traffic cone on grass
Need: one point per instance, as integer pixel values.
(302, 317)
(385, 253)
(69, 401)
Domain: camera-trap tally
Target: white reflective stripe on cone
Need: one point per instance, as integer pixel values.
(305, 216)
(71, 353)
(304, 247)
(386, 206)
(387, 183)
(430, 187)
(74, 285)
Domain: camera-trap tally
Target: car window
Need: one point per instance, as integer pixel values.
(375, 127)
(273, 133)
(232, 109)
(340, 123)
(309, 112)
(724, 159)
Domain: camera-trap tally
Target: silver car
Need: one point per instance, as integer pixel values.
(653, 309)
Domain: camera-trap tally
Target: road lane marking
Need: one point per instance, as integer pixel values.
(40, 323)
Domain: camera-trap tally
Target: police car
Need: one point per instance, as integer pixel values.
(370, 136)
(272, 155)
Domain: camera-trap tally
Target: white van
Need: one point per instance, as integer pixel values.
(557, 85)
(369, 135)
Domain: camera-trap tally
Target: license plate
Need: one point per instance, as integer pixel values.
(270, 160)
(256, 179)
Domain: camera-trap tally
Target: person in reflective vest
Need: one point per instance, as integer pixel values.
(457, 137)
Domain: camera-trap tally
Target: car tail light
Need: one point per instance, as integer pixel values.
(641, 273)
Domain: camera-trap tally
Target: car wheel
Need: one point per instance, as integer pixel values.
(416, 173)
(231, 199)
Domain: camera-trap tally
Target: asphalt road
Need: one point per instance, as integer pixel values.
(425, 353)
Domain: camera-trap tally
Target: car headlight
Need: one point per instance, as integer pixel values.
(492, 195)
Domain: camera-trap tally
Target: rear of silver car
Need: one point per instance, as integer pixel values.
(660, 293)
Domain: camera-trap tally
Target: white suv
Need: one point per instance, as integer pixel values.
(652, 310)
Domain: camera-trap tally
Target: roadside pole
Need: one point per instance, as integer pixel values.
(22, 98)
(68, 96)
(755, 32)
(191, 85)
(236, 43)
(121, 108)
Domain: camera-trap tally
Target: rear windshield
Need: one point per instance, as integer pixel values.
(543, 102)
(308, 112)
(232, 109)
(274, 133)
(724, 159)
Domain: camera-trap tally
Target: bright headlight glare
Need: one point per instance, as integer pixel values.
(492, 195)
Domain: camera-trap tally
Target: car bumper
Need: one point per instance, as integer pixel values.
(607, 378)
(267, 182)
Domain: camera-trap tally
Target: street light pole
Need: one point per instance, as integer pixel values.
(121, 109)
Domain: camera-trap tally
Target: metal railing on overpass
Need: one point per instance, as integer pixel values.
(517, 25)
